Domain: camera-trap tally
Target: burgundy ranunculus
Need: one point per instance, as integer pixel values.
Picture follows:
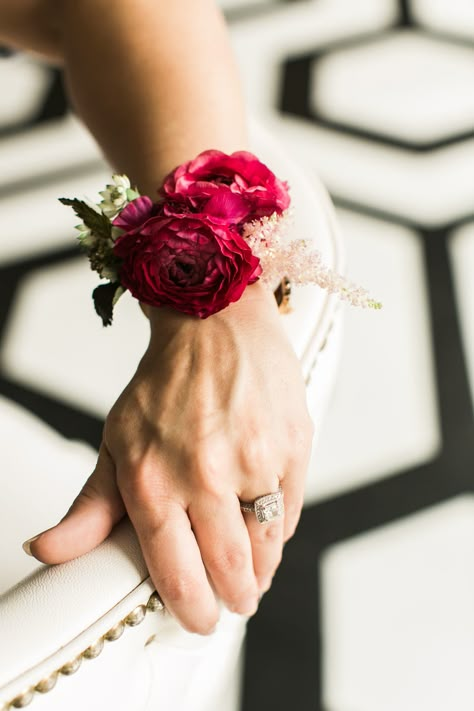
(189, 262)
(233, 188)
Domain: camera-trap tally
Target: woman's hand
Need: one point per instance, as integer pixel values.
(216, 412)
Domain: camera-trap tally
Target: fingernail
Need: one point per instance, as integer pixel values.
(27, 544)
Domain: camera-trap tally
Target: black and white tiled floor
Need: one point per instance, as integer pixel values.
(372, 607)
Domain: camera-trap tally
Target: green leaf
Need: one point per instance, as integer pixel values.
(132, 194)
(118, 294)
(105, 297)
(97, 222)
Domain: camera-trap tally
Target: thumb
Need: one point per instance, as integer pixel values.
(93, 514)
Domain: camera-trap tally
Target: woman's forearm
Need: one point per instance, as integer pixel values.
(30, 25)
(154, 81)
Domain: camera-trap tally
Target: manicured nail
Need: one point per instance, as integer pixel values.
(27, 544)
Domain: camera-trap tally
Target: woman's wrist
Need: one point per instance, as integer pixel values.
(257, 299)
(256, 307)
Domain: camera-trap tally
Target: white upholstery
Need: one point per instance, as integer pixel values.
(53, 614)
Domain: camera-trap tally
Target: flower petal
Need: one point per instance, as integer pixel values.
(135, 214)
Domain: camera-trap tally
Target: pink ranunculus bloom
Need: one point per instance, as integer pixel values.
(188, 262)
(234, 188)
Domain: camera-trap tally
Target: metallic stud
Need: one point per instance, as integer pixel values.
(72, 666)
(136, 616)
(22, 699)
(94, 649)
(114, 632)
(47, 683)
(132, 619)
(155, 603)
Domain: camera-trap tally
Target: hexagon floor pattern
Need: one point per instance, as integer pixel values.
(371, 609)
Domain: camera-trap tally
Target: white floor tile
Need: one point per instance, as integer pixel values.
(398, 619)
(263, 43)
(407, 85)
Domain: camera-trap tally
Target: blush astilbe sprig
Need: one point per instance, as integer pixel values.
(268, 240)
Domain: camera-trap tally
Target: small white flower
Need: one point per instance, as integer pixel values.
(85, 237)
(121, 181)
(115, 196)
(109, 209)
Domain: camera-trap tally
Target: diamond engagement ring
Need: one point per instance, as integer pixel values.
(266, 508)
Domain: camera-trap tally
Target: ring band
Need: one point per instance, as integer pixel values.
(266, 508)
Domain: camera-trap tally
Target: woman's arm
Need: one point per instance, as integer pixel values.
(30, 25)
(216, 410)
(154, 81)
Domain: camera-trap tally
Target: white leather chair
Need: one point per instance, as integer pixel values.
(92, 632)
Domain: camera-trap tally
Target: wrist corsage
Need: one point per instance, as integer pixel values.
(220, 223)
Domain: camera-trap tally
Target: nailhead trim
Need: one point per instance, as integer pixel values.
(134, 618)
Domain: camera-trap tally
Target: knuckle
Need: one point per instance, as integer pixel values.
(90, 491)
(256, 454)
(178, 588)
(231, 559)
(182, 594)
(272, 533)
(269, 533)
(207, 466)
(138, 479)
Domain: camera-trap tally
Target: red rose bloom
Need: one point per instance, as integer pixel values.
(189, 262)
(235, 188)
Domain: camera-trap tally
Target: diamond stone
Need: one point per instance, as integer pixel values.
(270, 507)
